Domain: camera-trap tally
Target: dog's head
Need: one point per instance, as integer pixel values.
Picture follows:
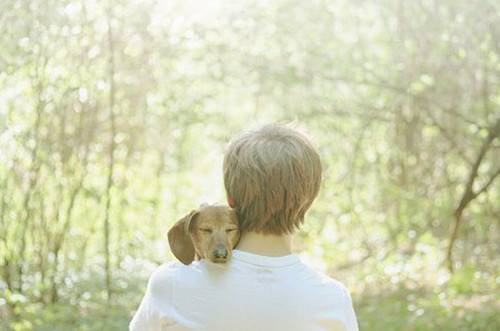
(211, 232)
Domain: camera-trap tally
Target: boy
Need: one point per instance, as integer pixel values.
(271, 176)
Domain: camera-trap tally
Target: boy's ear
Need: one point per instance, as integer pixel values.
(230, 201)
(180, 241)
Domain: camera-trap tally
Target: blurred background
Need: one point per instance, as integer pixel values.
(114, 117)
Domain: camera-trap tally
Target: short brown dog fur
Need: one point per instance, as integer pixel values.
(209, 232)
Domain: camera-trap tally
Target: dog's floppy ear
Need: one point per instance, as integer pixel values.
(179, 240)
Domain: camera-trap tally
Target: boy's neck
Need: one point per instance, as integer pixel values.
(265, 244)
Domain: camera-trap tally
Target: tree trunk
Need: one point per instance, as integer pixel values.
(111, 164)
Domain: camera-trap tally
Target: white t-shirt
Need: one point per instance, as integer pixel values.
(251, 292)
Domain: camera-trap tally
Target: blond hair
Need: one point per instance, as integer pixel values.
(273, 174)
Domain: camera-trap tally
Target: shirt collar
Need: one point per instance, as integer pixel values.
(265, 261)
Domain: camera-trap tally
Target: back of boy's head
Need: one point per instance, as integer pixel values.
(273, 175)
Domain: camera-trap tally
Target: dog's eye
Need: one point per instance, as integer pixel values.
(206, 230)
(231, 230)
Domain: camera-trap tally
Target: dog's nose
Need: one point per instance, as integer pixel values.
(220, 252)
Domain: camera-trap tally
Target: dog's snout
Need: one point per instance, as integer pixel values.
(220, 252)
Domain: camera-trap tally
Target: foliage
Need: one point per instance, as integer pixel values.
(114, 117)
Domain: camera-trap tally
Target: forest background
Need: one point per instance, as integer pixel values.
(114, 117)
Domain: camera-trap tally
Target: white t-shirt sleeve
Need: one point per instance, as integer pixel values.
(152, 314)
(352, 323)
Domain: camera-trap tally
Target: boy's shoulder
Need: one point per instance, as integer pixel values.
(163, 276)
(174, 270)
(325, 282)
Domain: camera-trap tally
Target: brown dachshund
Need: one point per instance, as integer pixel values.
(209, 232)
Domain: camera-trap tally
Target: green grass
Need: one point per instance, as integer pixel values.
(419, 310)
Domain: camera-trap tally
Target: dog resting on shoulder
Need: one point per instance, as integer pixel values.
(209, 232)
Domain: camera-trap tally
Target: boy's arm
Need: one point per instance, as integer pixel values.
(151, 314)
(145, 318)
(352, 323)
